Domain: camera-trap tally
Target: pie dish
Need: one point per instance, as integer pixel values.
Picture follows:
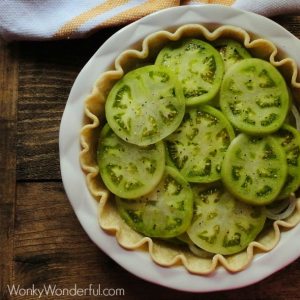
(93, 110)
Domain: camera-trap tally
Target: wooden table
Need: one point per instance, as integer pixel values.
(41, 241)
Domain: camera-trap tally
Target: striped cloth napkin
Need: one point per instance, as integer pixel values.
(64, 19)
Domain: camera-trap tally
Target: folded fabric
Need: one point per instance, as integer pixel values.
(269, 7)
(58, 19)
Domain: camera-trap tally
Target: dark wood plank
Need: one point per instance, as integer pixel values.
(291, 23)
(46, 74)
(51, 248)
(8, 99)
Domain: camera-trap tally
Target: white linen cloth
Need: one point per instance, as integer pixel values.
(62, 19)
(269, 7)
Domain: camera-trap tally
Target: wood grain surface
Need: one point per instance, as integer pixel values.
(41, 240)
(8, 113)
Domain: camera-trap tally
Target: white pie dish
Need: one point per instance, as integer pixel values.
(85, 207)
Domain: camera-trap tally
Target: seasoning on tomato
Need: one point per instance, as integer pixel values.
(231, 51)
(164, 213)
(222, 224)
(254, 169)
(145, 106)
(198, 146)
(127, 170)
(289, 139)
(198, 66)
(254, 97)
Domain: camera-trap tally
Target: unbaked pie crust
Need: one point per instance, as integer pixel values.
(164, 253)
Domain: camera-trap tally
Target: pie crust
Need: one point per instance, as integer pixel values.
(165, 253)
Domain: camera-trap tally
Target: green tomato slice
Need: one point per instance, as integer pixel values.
(254, 169)
(165, 212)
(198, 146)
(128, 170)
(222, 224)
(145, 106)
(231, 51)
(254, 97)
(198, 66)
(289, 138)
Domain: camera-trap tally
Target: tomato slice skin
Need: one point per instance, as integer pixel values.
(198, 66)
(166, 212)
(222, 224)
(254, 97)
(231, 51)
(289, 138)
(198, 146)
(254, 169)
(145, 106)
(127, 170)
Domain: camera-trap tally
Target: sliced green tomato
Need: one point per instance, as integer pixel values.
(127, 170)
(198, 66)
(254, 169)
(222, 224)
(198, 146)
(231, 51)
(145, 106)
(254, 96)
(164, 213)
(289, 138)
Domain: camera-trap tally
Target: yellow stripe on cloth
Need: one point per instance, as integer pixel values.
(137, 12)
(126, 16)
(76, 22)
(223, 2)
